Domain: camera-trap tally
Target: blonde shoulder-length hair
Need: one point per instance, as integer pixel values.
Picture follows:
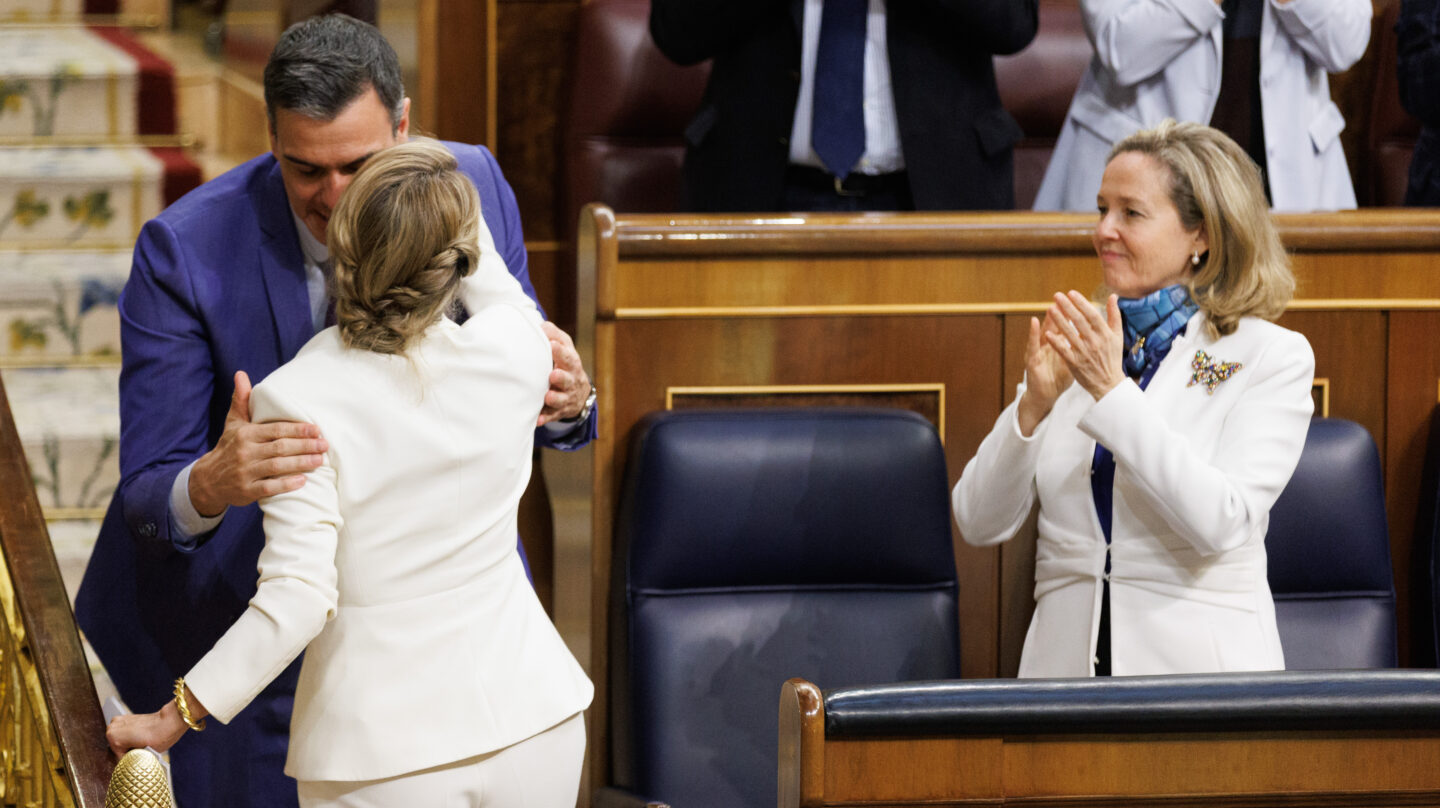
(1214, 184)
(401, 238)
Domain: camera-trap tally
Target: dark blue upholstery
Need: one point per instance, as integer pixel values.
(756, 545)
(1425, 571)
(1329, 551)
(1279, 701)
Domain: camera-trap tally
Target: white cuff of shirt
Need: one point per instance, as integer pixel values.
(185, 521)
(559, 428)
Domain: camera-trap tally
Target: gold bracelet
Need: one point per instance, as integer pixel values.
(184, 708)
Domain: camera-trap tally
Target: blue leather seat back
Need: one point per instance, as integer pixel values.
(1329, 550)
(756, 545)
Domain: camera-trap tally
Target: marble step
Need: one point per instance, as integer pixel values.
(69, 425)
(82, 197)
(71, 81)
(58, 307)
(72, 541)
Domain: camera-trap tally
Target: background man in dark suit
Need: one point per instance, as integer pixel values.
(935, 135)
(227, 284)
(1418, 29)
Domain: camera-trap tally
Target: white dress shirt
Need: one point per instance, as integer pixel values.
(882, 134)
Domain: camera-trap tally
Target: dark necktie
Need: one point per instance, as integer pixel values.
(838, 117)
(327, 269)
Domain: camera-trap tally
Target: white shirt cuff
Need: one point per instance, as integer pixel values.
(185, 521)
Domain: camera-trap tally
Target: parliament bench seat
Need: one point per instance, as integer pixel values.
(1355, 738)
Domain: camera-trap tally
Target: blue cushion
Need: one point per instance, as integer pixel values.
(752, 546)
(1329, 550)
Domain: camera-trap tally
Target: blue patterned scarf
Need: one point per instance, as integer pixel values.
(1152, 323)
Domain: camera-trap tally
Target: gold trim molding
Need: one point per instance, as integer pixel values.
(1004, 307)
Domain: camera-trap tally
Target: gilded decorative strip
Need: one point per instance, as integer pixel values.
(1321, 387)
(132, 21)
(112, 104)
(137, 196)
(1005, 307)
(103, 361)
(935, 388)
(184, 139)
(45, 245)
(60, 514)
(31, 771)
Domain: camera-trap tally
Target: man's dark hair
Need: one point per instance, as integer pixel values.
(322, 64)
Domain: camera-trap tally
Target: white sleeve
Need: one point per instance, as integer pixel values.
(997, 489)
(1135, 39)
(1333, 33)
(297, 593)
(1216, 504)
(491, 282)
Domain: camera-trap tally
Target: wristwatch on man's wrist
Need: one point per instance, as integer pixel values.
(585, 409)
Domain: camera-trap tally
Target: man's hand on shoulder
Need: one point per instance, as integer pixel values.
(251, 461)
(569, 386)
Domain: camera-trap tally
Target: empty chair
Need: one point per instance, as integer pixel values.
(1329, 551)
(756, 545)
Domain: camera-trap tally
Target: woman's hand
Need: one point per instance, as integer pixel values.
(158, 730)
(1046, 377)
(1090, 345)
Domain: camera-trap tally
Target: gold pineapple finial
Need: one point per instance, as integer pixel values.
(139, 782)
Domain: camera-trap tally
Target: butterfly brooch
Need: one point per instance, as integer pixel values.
(1210, 372)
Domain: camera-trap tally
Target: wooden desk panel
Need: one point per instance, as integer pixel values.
(1121, 768)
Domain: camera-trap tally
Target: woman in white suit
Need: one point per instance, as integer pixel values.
(1156, 433)
(432, 674)
(1256, 70)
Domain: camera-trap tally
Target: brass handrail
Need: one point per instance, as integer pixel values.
(52, 741)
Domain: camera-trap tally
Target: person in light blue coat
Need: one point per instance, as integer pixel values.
(1255, 69)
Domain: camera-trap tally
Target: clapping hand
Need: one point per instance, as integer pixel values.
(1090, 345)
(1046, 375)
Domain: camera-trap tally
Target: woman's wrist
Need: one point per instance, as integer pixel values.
(1030, 411)
(1101, 389)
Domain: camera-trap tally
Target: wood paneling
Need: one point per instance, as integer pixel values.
(1413, 382)
(456, 63)
(536, 39)
(1343, 763)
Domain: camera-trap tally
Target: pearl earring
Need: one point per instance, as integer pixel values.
(1195, 258)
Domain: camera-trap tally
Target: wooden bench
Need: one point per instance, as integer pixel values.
(1352, 738)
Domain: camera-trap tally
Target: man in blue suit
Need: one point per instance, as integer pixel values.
(227, 285)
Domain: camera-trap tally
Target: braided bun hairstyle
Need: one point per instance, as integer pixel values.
(401, 238)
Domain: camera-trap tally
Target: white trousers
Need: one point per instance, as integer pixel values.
(542, 771)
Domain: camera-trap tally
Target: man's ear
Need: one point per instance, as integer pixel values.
(402, 129)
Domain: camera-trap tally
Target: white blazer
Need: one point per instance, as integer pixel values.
(396, 561)
(1195, 476)
(1158, 59)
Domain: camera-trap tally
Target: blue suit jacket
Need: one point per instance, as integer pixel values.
(217, 285)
